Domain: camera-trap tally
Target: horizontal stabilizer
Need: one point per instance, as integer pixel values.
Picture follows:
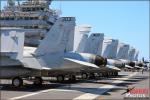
(82, 63)
(127, 66)
(113, 67)
(46, 68)
(138, 67)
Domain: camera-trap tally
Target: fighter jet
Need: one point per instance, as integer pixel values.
(92, 44)
(117, 53)
(81, 34)
(109, 50)
(11, 54)
(96, 44)
(129, 57)
(92, 62)
(141, 65)
(50, 59)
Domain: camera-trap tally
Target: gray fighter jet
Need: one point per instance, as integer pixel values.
(50, 59)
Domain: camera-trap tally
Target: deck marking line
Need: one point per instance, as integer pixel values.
(104, 89)
(31, 94)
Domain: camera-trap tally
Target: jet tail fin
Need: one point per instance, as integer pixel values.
(57, 38)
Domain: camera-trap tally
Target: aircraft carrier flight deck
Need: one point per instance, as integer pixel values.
(98, 89)
(48, 54)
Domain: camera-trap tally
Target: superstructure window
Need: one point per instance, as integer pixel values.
(96, 35)
(37, 8)
(1, 18)
(25, 26)
(42, 8)
(23, 9)
(26, 18)
(11, 18)
(19, 18)
(28, 9)
(6, 18)
(35, 18)
(33, 9)
(31, 18)
(35, 27)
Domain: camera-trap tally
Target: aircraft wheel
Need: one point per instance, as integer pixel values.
(92, 76)
(72, 78)
(38, 81)
(113, 74)
(17, 82)
(107, 75)
(60, 78)
(103, 74)
(116, 73)
(100, 75)
(84, 76)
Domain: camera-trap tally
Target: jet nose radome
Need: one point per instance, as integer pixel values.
(100, 61)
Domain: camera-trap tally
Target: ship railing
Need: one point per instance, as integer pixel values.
(23, 21)
(18, 13)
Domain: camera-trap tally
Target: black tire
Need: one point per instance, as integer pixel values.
(92, 76)
(60, 78)
(106, 75)
(38, 81)
(109, 74)
(72, 78)
(84, 76)
(17, 82)
(100, 74)
(116, 73)
(103, 75)
(113, 74)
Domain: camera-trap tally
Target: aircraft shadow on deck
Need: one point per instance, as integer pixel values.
(68, 85)
(29, 87)
(140, 77)
(34, 88)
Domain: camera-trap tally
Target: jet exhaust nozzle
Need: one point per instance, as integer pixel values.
(100, 61)
(132, 64)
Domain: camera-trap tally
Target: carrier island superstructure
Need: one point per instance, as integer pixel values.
(34, 17)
